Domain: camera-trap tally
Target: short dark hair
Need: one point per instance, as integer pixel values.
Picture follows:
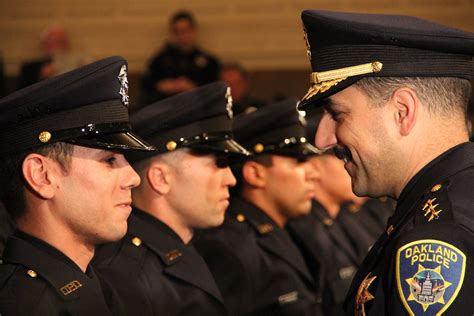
(441, 95)
(237, 166)
(183, 15)
(12, 182)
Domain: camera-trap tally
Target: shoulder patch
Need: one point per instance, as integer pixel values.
(429, 276)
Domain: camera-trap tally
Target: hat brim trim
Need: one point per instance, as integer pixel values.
(114, 141)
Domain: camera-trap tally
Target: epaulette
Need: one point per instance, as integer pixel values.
(261, 228)
(435, 206)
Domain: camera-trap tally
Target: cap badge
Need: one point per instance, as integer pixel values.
(44, 136)
(228, 107)
(122, 77)
(308, 48)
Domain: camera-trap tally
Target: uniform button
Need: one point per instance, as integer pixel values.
(32, 273)
(328, 221)
(240, 218)
(436, 187)
(136, 241)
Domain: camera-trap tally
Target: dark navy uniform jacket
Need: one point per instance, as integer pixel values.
(422, 264)
(37, 279)
(155, 273)
(257, 267)
(324, 243)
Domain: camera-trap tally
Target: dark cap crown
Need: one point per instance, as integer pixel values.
(200, 119)
(345, 47)
(276, 128)
(87, 106)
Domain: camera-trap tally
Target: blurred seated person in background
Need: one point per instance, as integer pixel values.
(180, 65)
(238, 80)
(57, 58)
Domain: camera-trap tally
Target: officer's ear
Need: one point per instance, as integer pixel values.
(41, 174)
(254, 174)
(159, 177)
(406, 106)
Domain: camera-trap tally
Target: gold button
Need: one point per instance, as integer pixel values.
(240, 218)
(44, 136)
(303, 139)
(390, 229)
(328, 221)
(32, 273)
(171, 145)
(436, 187)
(136, 241)
(258, 148)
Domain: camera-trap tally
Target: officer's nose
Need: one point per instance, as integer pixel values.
(325, 137)
(130, 176)
(229, 178)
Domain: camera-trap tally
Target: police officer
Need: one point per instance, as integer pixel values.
(185, 186)
(339, 245)
(66, 183)
(394, 90)
(258, 268)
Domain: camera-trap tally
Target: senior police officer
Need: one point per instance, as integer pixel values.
(66, 183)
(395, 90)
(258, 268)
(185, 186)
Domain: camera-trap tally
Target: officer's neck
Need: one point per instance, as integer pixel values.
(72, 245)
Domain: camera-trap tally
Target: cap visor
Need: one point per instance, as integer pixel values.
(118, 141)
(297, 150)
(228, 146)
(315, 100)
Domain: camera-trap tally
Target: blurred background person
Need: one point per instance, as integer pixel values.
(238, 80)
(58, 57)
(181, 64)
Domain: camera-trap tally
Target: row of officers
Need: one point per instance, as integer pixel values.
(198, 212)
(279, 233)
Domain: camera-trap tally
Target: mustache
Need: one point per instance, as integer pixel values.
(342, 153)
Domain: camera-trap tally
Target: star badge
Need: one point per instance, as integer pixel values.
(363, 295)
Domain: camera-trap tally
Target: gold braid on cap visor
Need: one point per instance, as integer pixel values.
(323, 81)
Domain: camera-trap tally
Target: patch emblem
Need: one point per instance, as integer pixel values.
(429, 275)
(228, 106)
(122, 77)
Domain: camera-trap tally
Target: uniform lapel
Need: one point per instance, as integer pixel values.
(179, 260)
(270, 237)
(69, 282)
